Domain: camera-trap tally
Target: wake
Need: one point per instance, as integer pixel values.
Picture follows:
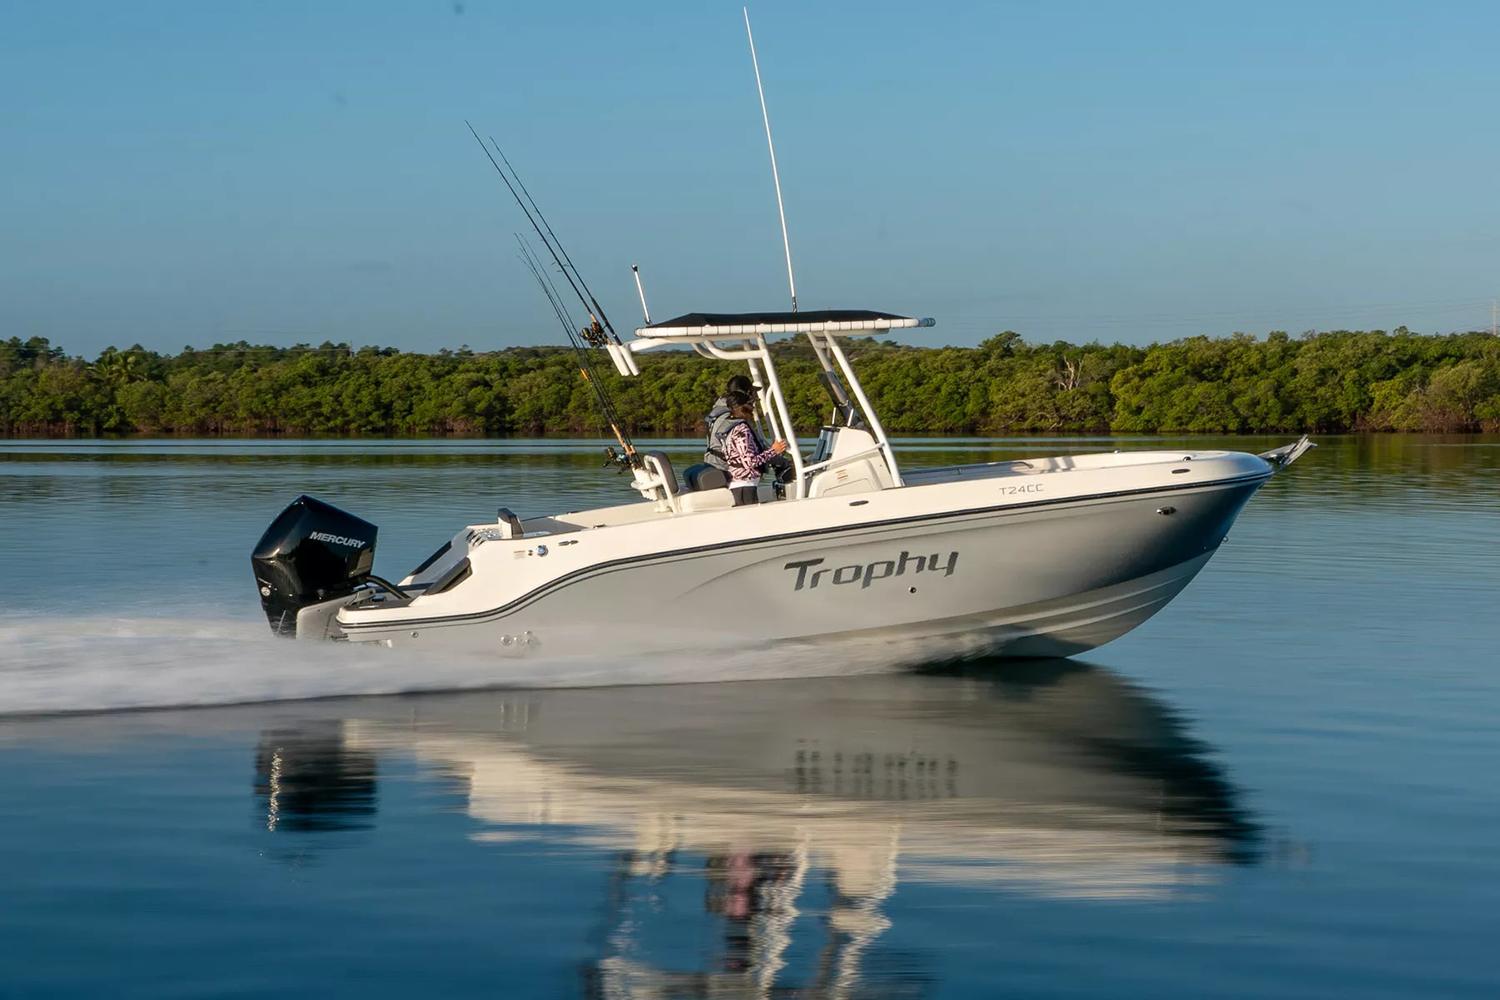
(54, 663)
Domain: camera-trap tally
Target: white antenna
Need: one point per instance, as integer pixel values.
(641, 292)
(775, 175)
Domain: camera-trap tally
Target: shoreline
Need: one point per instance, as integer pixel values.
(1319, 383)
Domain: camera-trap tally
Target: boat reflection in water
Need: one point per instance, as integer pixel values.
(309, 780)
(799, 803)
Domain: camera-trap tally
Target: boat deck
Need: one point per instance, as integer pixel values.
(645, 510)
(1056, 463)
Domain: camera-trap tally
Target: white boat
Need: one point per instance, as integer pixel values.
(1033, 557)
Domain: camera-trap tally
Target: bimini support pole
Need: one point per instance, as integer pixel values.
(759, 350)
(865, 408)
(763, 413)
(773, 389)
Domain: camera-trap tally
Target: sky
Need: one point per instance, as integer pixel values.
(183, 173)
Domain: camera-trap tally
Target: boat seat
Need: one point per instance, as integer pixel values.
(718, 498)
(452, 577)
(704, 477)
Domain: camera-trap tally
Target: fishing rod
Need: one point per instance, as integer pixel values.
(527, 212)
(585, 366)
(559, 309)
(597, 308)
(594, 334)
(527, 257)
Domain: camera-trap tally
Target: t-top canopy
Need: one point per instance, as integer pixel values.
(700, 324)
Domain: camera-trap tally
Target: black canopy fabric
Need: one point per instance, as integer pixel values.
(699, 319)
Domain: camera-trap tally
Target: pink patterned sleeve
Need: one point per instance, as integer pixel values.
(740, 455)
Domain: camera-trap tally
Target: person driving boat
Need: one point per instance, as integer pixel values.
(719, 420)
(744, 453)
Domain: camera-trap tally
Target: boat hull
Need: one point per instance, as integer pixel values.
(1023, 580)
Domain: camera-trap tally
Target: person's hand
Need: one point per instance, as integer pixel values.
(779, 447)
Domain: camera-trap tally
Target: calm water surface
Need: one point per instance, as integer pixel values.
(1286, 784)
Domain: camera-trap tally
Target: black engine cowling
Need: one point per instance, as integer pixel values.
(312, 552)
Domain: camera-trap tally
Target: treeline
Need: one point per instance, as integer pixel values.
(1318, 382)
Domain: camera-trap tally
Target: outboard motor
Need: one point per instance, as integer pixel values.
(312, 552)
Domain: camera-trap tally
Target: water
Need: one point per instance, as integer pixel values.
(1282, 785)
